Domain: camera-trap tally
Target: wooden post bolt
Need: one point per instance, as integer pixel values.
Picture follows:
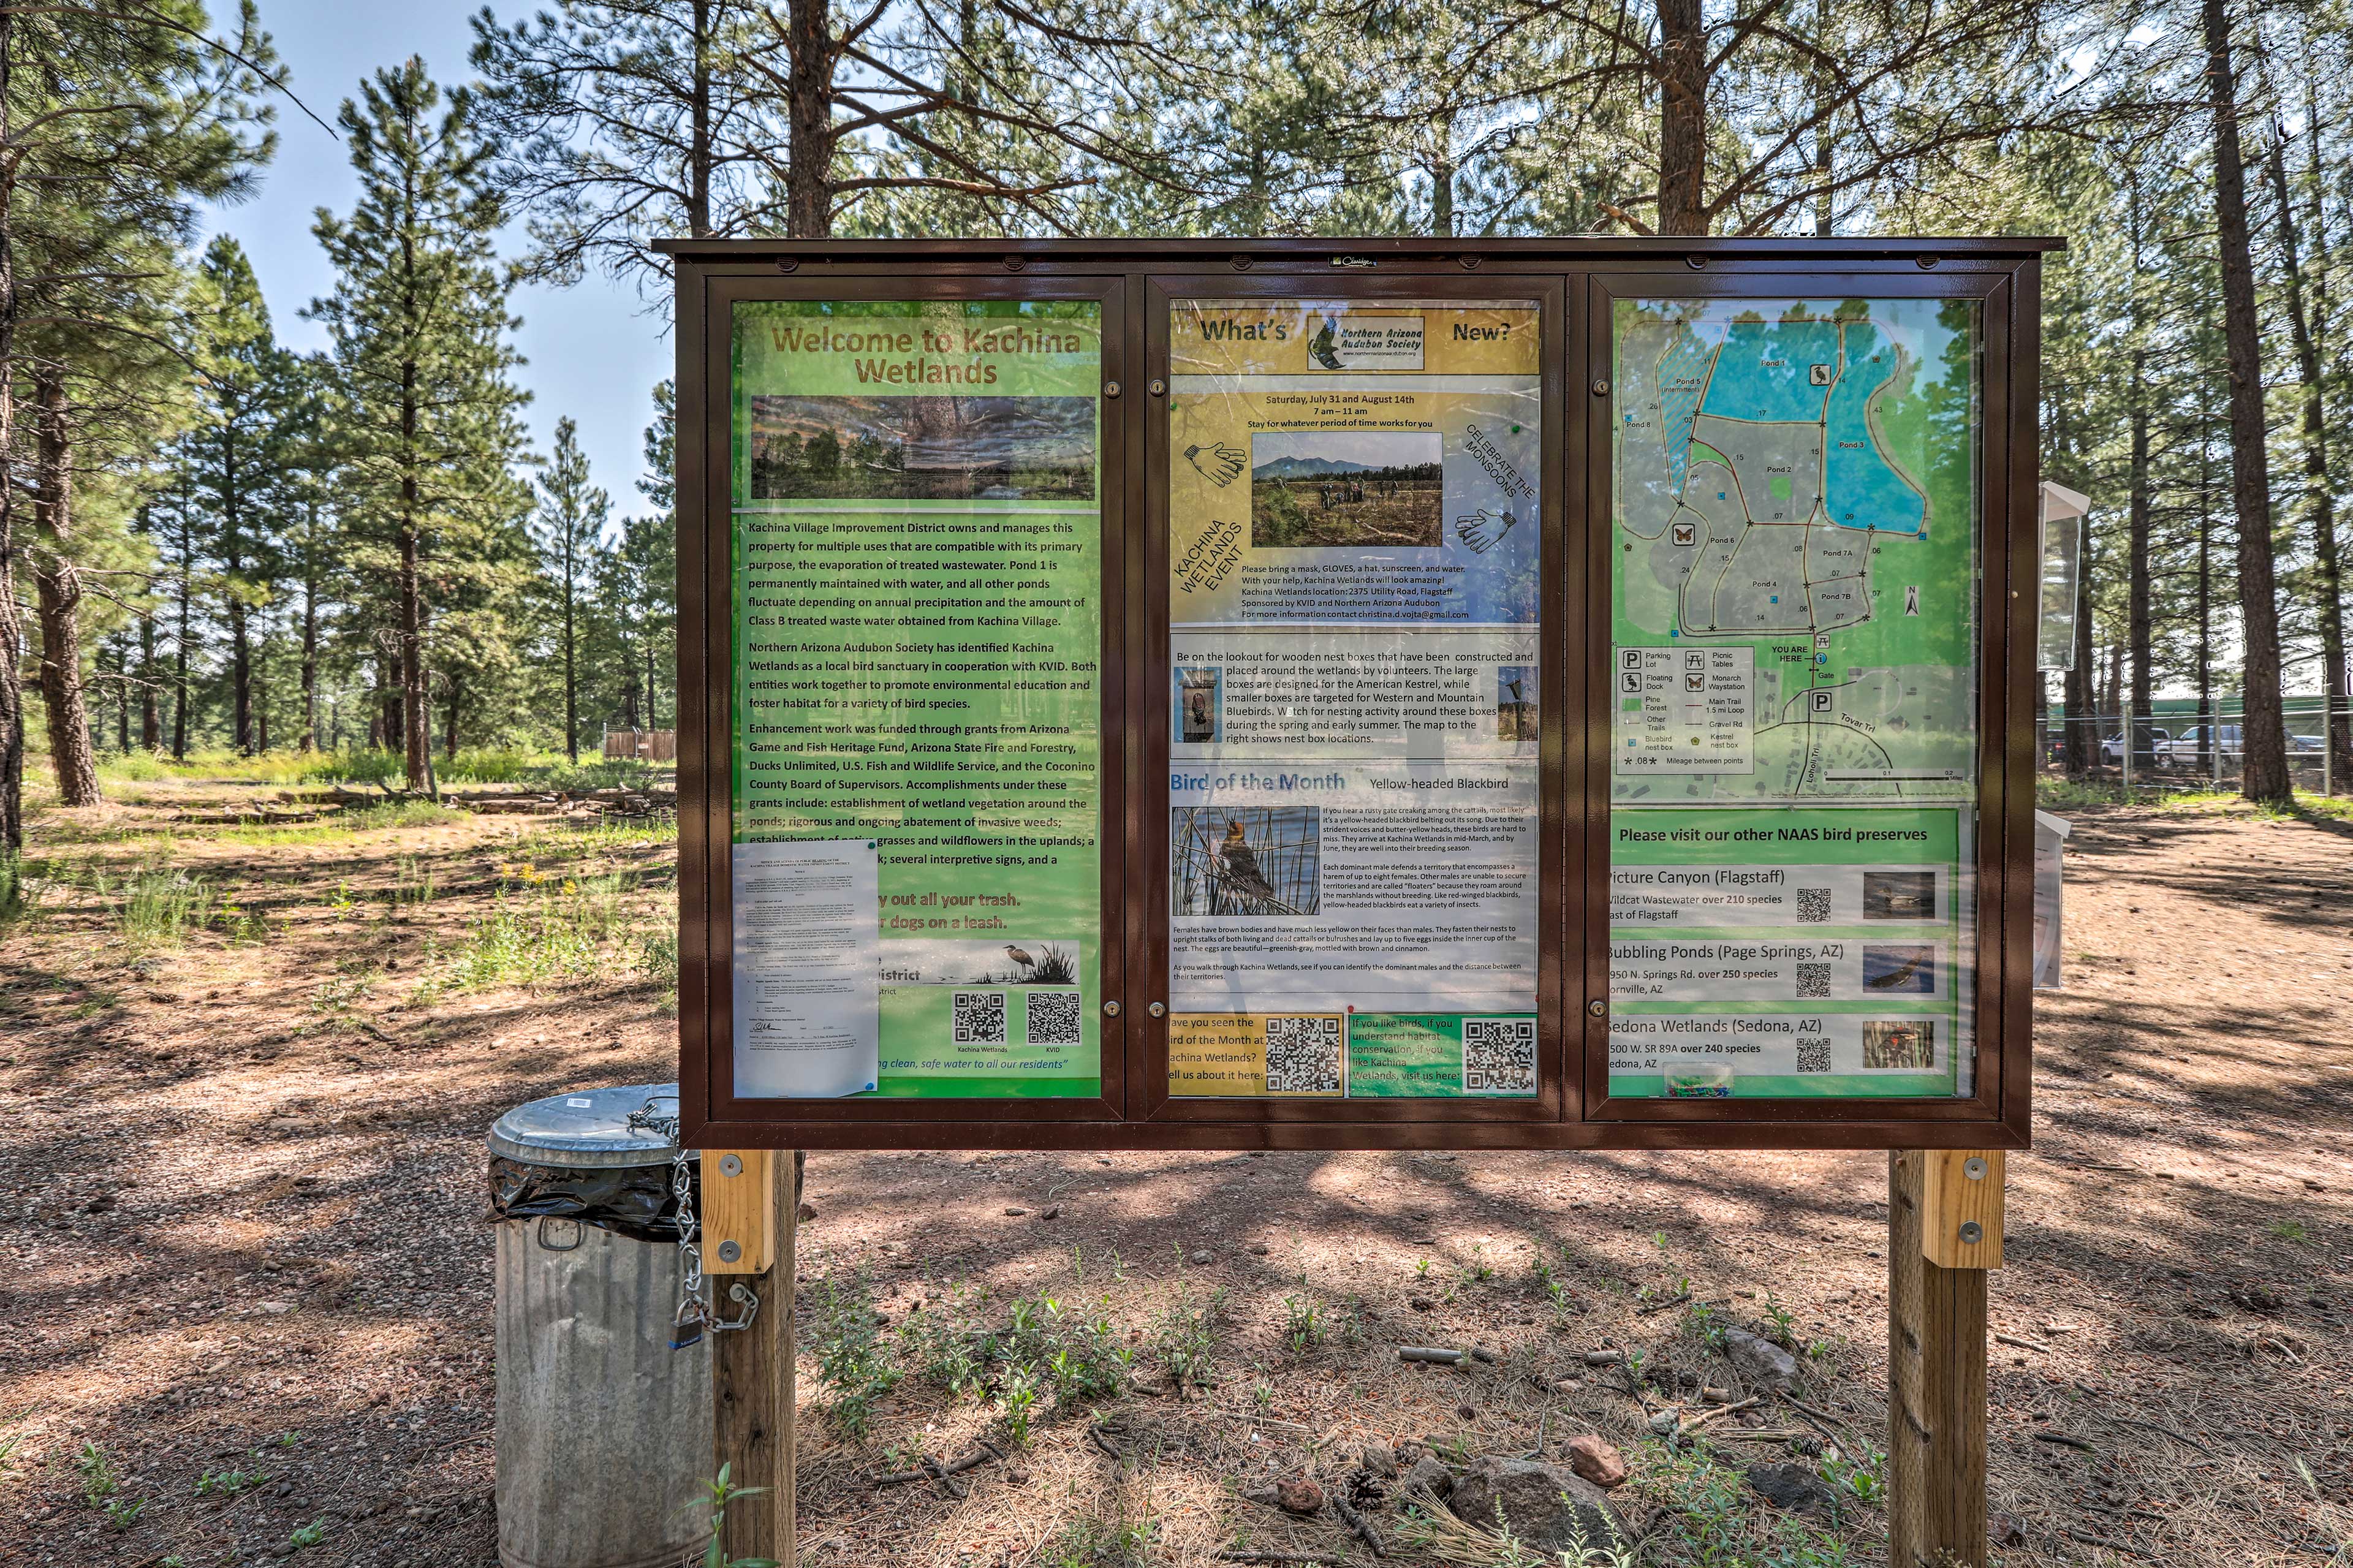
(751, 1368)
(1942, 1205)
(739, 1232)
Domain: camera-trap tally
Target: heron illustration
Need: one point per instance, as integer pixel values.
(1019, 957)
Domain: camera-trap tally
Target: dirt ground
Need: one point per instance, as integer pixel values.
(250, 1243)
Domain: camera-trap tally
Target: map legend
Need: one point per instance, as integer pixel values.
(1686, 710)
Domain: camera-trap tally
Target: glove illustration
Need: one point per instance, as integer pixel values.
(1483, 530)
(1216, 462)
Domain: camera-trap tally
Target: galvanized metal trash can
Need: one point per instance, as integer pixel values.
(604, 1431)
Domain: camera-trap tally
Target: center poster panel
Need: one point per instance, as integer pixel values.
(1353, 552)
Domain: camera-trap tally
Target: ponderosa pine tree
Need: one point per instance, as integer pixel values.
(570, 524)
(424, 414)
(240, 452)
(112, 123)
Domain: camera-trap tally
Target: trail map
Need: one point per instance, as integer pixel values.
(1795, 599)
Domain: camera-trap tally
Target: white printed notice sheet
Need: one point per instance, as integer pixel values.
(808, 946)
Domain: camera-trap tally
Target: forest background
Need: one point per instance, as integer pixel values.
(355, 562)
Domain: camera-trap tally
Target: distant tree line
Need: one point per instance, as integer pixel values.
(206, 540)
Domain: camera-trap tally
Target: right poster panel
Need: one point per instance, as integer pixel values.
(1794, 693)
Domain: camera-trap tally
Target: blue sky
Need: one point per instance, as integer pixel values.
(594, 352)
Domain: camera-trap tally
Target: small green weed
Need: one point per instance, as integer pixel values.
(155, 906)
(1185, 1338)
(307, 1535)
(121, 1513)
(227, 1483)
(1099, 1544)
(855, 1364)
(98, 1481)
(1302, 1326)
(2290, 1230)
(719, 1493)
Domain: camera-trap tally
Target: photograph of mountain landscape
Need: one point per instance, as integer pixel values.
(1325, 489)
(921, 448)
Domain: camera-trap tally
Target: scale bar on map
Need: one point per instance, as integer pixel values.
(1877, 776)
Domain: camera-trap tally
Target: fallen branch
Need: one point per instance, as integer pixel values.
(2064, 1440)
(1355, 1521)
(2087, 1539)
(2155, 1426)
(932, 1470)
(1268, 1554)
(1439, 1355)
(1095, 1436)
(1676, 1300)
(2022, 1342)
(1684, 1428)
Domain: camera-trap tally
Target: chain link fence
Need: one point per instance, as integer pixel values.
(2169, 752)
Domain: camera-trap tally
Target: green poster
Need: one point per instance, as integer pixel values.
(916, 572)
(1794, 696)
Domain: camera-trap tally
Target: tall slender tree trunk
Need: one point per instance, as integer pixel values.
(808, 180)
(240, 646)
(311, 633)
(698, 141)
(1825, 139)
(2336, 735)
(185, 589)
(151, 718)
(449, 722)
(2208, 743)
(57, 585)
(571, 668)
(12, 637)
(2138, 633)
(2262, 725)
(1683, 118)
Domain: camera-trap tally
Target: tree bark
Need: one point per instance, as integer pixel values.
(12, 640)
(2336, 735)
(232, 545)
(311, 633)
(449, 722)
(2080, 744)
(57, 585)
(809, 181)
(2263, 729)
(2137, 631)
(151, 718)
(180, 640)
(1683, 118)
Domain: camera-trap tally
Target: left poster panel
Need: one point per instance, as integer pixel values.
(917, 565)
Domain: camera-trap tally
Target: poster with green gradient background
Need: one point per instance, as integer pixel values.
(916, 567)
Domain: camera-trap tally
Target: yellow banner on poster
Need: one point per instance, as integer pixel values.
(1256, 1055)
(1310, 337)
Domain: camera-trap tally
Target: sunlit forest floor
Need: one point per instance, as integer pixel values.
(245, 1074)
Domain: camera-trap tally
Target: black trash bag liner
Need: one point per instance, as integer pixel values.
(634, 1201)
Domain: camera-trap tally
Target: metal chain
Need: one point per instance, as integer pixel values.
(695, 1314)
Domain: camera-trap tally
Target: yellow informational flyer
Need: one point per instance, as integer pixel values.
(1355, 548)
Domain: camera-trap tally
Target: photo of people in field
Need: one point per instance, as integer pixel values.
(1345, 489)
(921, 448)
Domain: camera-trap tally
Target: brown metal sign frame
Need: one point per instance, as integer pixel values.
(1575, 282)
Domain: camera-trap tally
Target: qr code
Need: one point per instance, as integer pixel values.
(1813, 1056)
(1052, 1018)
(1303, 1055)
(1813, 906)
(980, 1017)
(1499, 1055)
(1813, 980)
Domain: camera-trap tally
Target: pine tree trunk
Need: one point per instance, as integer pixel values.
(57, 586)
(449, 723)
(151, 718)
(415, 742)
(1683, 118)
(2328, 588)
(180, 644)
(12, 637)
(240, 646)
(2262, 727)
(808, 179)
(2137, 584)
(571, 671)
(311, 641)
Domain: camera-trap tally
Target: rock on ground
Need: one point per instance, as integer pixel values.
(1545, 1507)
(1597, 1461)
(1793, 1486)
(1760, 1360)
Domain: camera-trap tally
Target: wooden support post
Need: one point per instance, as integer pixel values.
(752, 1198)
(1944, 1231)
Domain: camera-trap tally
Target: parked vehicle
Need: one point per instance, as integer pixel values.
(2112, 749)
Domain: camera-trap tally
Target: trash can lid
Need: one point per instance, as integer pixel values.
(589, 1128)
